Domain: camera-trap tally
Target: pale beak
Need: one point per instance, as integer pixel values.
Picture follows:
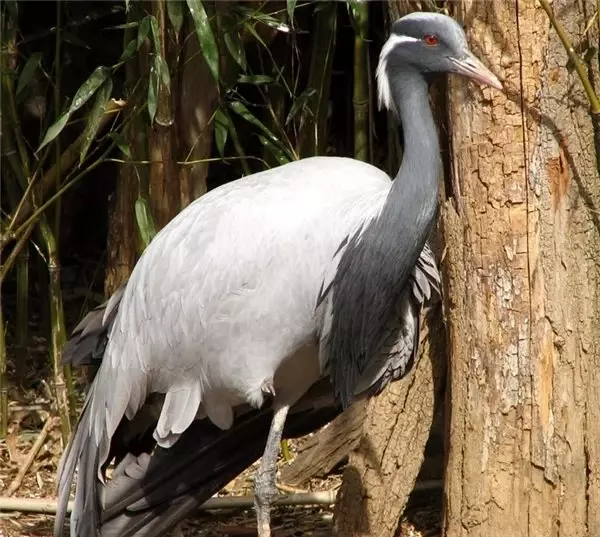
(471, 67)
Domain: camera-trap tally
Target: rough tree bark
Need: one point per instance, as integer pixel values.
(522, 285)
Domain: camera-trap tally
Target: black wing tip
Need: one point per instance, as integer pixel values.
(177, 480)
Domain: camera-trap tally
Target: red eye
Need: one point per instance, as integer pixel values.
(431, 40)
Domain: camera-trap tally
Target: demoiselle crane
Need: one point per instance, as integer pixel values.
(290, 291)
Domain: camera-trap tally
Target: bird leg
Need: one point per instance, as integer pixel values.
(265, 490)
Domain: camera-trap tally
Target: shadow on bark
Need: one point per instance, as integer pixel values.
(382, 470)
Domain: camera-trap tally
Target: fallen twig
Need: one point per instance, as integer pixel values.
(16, 483)
(48, 506)
(327, 497)
(29, 408)
(290, 490)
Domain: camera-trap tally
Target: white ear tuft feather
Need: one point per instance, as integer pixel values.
(384, 88)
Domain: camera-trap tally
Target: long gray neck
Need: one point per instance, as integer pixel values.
(374, 271)
(413, 195)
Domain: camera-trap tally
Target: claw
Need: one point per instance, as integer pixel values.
(268, 387)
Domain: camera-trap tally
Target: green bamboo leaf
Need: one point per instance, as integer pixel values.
(175, 12)
(129, 50)
(143, 31)
(255, 79)
(155, 33)
(163, 71)
(74, 40)
(126, 6)
(235, 46)
(357, 10)
(291, 6)
(153, 85)
(205, 35)
(84, 93)
(145, 220)
(352, 7)
(263, 18)
(13, 9)
(250, 27)
(120, 142)
(319, 6)
(124, 26)
(27, 73)
(241, 110)
(279, 155)
(95, 117)
(89, 87)
(54, 129)
(222, 126)
(299, 103)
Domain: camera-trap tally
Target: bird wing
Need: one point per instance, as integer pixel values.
(401, 341)
(88, 340)
(399, 344)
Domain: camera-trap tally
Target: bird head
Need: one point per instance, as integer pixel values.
(428, 43)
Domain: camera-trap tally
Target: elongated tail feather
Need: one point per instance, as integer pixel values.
(83, 452)
(152, 494)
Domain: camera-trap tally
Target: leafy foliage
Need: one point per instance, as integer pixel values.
(205, 35)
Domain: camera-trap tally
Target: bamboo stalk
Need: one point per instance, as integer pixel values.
(13, 148)
(63, 382)
(312, 138)
(360, 98)
(47, 506)
(3, 377)
(57, 110)
(165, 196)
(62, 379)
(62, 375)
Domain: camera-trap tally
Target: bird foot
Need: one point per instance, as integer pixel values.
(265, 493)
(268, 388)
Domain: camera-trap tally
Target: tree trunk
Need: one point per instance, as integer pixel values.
(522, 285)
(382, 470)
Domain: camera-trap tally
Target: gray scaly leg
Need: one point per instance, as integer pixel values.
(264, 481)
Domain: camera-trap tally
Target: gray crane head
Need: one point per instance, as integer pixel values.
(428, 43)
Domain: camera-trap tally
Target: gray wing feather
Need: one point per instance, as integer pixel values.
(401, 342)
(88, 340)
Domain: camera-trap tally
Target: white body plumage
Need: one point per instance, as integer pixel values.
(215, 306)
